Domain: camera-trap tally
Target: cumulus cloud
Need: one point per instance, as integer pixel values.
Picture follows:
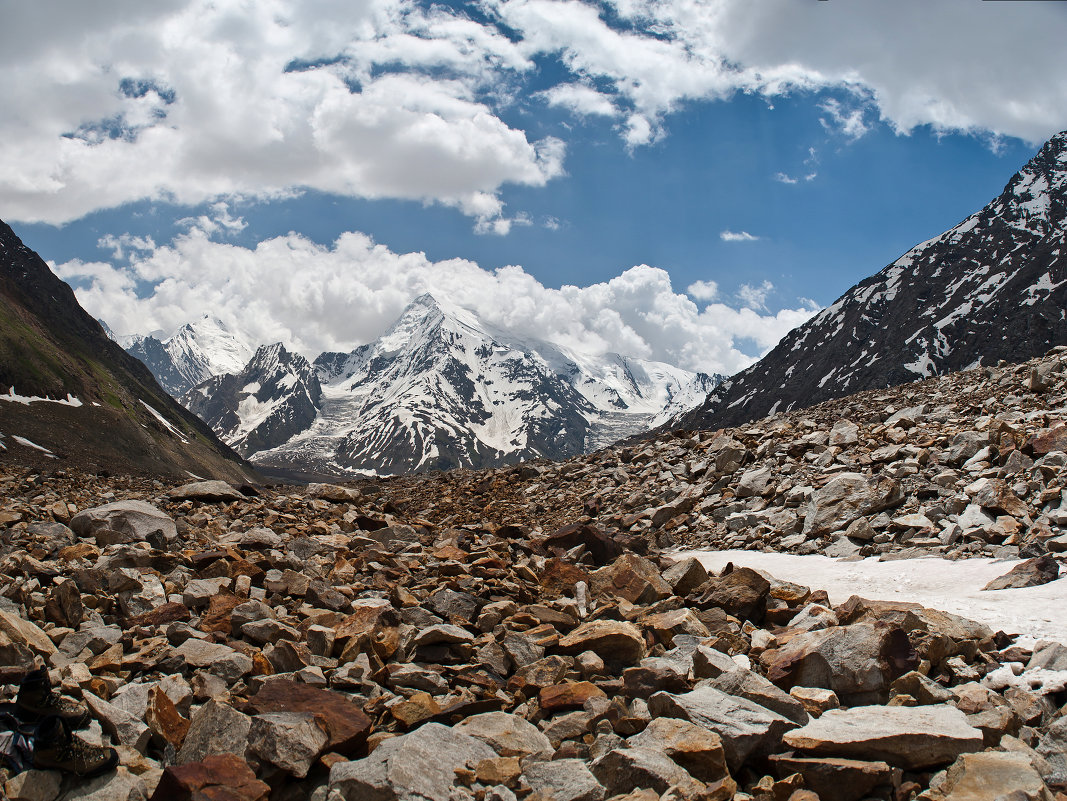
(737, 236)
(755, 297)
(703, 290)
(194, 101)
(318, 298)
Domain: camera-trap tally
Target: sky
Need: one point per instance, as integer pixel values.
(678, 180)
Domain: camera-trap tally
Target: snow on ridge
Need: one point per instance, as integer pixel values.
(166, 423)
(26, 400)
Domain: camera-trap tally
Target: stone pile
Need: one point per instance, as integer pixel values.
(525, 633)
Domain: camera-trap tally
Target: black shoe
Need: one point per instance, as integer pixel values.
(37, 699)
(55, 748)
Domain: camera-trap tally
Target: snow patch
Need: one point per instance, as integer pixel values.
(26, 400)
(165, 423)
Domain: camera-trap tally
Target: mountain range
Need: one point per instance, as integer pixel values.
(440, 389)
(992, 287)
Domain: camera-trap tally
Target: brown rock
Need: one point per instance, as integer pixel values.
(1031, 573)
(695, 748)
(164, 719)
(600, 546)
(1047, 440)
(742, 592)
(838, 779)
(612, 640)
(346, 724)
(170, 612)
(631, 577)
(219, 777)
(217, 616)
(568, 696)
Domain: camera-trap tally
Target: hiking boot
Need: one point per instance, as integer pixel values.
(36, 699)
(55, 748)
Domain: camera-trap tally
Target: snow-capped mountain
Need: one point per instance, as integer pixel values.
(195, 352)
(439, 389)
(993, 287)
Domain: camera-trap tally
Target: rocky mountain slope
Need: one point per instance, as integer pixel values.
(993, 287)
(440, 389)
(519, 632)
(67, 390)
(195, 353)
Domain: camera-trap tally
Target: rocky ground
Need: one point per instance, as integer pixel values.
(524, 632)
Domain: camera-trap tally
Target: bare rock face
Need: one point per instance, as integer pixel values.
(912, 738)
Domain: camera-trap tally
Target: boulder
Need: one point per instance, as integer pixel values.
(857, 662)
(840, 779)
(746, 728)
(413, 767)
(1031, 573)
(746, 684)
(291, 741)
(741, 592)
(990, 775)
(507, 734)
(564, 780)
(215, 728)
(216, 776)
(847, 497)
(693, 747)
(613, 641)
(346, 724)
(125, 521)
(623, 769)
(912, 738)
(631, 577)
(685, 576)
(206, 492)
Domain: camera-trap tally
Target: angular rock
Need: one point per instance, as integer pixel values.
(346, 724)
(746, 684)
(685, 576)
(125, 521)
(741, 592)
(217, 776)
(291, 741)
(631, 577)
(839, 779)
(509, 735)
(215, 728)
(908, 737)
(612, 640)
(846, 497)
(206, 492)
(564, 780)
(857, 662)
(413, 767)
(695, 748)
(1031, 573)
(623, 769)
(745, 728)
(991, 775)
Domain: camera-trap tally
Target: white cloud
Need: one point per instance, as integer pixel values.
(703, 290)
(847, 122)
(334, 298)
(737, 236)
(755, 297)
(197, 100)
(581, 99)
(782, 178)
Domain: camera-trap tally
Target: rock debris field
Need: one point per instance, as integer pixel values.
(536, 632)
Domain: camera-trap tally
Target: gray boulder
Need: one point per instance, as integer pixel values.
(414, 767)
(125, 521)
(564, 780)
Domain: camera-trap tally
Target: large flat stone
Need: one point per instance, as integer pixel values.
(908, 737)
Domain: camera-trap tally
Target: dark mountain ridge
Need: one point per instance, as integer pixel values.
(993, 287)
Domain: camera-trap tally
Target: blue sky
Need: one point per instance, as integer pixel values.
(670, 180)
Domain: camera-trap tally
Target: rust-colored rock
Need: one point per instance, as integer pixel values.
(219, 777)
(346, 724)
(568, 696)
(164, 719)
